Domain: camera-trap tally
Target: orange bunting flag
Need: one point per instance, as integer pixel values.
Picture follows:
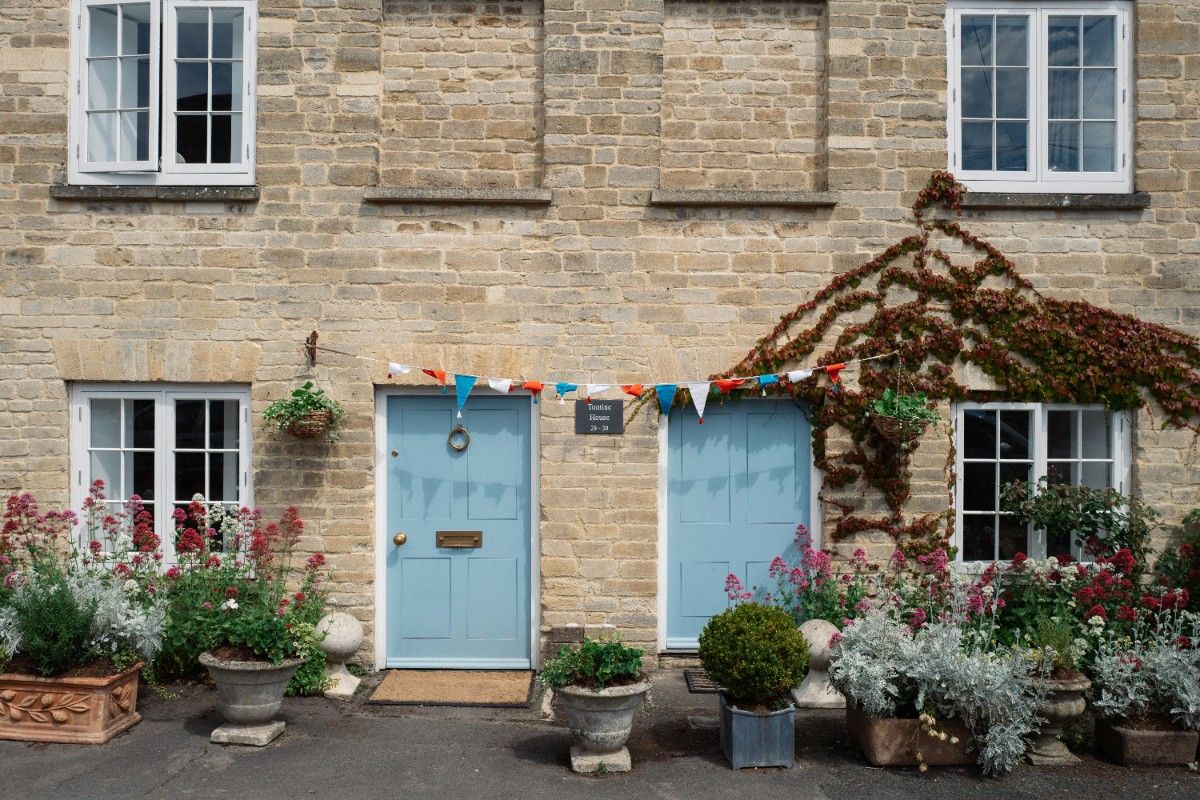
(633, 389)
(535, 388)
(438, 375)
(833, 371)
(728, 385)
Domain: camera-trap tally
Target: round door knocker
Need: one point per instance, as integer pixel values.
(458, 439)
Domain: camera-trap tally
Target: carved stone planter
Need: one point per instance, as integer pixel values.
(68, 710)
(601, 722)
(249, 694)
(889, 742)
(1134, 747)
(1064, 703)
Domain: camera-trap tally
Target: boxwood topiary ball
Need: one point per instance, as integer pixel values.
(755, 652)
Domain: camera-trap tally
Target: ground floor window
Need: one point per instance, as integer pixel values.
(998, 443)
(163, 443)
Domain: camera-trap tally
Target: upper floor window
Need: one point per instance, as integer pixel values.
(163, 92)
(1040, 95)
(998, 443)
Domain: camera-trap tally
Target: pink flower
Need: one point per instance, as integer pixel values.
(206, 605)
(174, 572)
(803, 536)
(897, 560)
(859, 559)
(778, 567)
(835, 638)
(316, 561)
(863, 606)
(917, 618)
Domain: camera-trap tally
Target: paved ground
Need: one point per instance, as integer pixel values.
(361, 752)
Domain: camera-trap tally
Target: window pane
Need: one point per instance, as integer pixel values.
(1012, 146)
(135, 82)
(1014, 537)
(977, 145)
(979, 434)
(105, 423)
(135, 135)
(102, 84)
(135, 29)
(139, 423)
(1099, 94)
(1060, 434)
(106, 466)
(977, 93)
(222, 476)
(979, 537)
(1012, 41)
(1014, 473)
(192, 86)
(1099, 41)
(1058, 545)
(976, 41)
(102, 31)
(1064, 146)
(222, 86)
(1014, 434)
(191, 132)
(1096, 434)
(139, 475)
(222, 139)
(189, 475)
(979, 486)
(227, 33)
(1099, 146)
(192, 33)
(102, 137)
(1064, 94)
(1096, 474)
(1011, 89)
(223, 419)
(1064, 41)
(1062, 473)
(189, 425)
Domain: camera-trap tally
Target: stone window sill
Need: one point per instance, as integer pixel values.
(746, 198)
(240, 194)
(1057, 201)
(415, 195)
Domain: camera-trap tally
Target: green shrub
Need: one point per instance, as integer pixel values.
(54, 627)
(310, 679)
(755, 652)
(595, 664)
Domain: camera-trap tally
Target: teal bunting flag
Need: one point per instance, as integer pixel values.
(463, 384)
(666, 396)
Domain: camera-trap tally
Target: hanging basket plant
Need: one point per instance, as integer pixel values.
(901, 418)
(307, 414)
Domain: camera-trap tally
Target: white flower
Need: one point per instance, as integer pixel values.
(1096, 621)
(230, 605)
(988, 591)
(130, 586)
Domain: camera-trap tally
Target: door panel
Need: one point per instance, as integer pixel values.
(458, 607)
(737, 487)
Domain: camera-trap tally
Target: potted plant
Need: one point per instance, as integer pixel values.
(1057, 653)
(600, 685)
(901, 418)
(1146, 691)
(253, 612)
(927, 694)
(75, 627)
(755, 652)
(307, 414)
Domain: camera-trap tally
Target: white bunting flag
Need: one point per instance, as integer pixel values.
(597, 389)
(502, 385)
(699, 392)
(797, 375)
(395, 369)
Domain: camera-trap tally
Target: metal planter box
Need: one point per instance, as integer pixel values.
(758, 740)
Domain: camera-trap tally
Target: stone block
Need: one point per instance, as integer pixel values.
(248, 735)
(600, 763)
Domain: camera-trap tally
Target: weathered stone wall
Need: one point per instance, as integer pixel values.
(598, 283)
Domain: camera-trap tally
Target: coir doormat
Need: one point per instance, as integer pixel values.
(455, 687)
(699, 682)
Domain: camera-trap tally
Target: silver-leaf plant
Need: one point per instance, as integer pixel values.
(1151, 673)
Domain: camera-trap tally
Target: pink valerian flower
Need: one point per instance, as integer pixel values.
(897, 561)
(835, 638)
(734, 589)
(817, 562)
(174, 573)
(863, 606)
(859, 559)
(316, 561)
(917, 618)
(207, 605)
(937, 560)
(778, 567)
(803, 536)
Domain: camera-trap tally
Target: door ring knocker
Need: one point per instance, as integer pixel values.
(458, 439)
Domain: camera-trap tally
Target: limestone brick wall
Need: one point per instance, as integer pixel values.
(596, 284)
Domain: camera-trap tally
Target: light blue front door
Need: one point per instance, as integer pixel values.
(453, 607)
(737, 487)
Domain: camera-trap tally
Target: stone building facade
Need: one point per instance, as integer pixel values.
(593, 189)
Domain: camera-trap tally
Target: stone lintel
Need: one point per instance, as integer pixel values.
(1057, 200)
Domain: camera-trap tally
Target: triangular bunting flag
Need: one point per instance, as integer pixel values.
(395, 369)
(562, 389)
(438, 375)
(502, 385)
(666, 396)
(797, 375)
(833, 371)
(766, 380)
(535, 387)
(463, 384)
(633, 389)
(699, 392)
(728, 385)
(596, 388)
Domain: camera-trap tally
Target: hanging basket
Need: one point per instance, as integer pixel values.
(898, 431)
(313, 425)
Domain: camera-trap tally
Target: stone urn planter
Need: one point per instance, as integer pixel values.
(1064, 703)
(249, 695)
(815, 691)
(894, 742)
(758, 740)
(1142, 747)
(68, 710)
(601, 721)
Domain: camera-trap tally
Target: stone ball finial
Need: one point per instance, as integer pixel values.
(815, 691)
(343, 636)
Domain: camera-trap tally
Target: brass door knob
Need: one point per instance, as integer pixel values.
(400, 538)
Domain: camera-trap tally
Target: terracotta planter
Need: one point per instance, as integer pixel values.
(894, 742)
(1131, 746)
(68, 710)
(1064, 703)
(601, 722)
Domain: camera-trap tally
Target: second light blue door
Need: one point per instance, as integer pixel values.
(465, 606)
(737, 487)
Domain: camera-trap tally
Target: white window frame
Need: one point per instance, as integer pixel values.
(1039, 178)
(1120, 434)
(160, 169)
(164, 397)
